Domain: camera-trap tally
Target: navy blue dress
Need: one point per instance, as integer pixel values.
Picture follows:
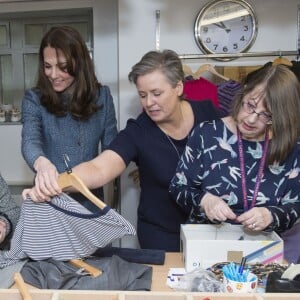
(143, 142)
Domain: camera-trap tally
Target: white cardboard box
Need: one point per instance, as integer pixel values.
(205, 245)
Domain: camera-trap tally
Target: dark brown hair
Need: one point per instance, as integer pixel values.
(282, 100)
(79, 65)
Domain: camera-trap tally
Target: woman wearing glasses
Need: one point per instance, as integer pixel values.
(245, 167)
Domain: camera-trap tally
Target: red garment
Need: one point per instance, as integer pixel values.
(201, 89)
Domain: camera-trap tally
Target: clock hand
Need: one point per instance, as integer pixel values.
(223, 26)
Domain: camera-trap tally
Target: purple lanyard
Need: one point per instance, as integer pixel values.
(260, 170)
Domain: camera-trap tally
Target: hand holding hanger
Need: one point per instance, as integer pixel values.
(69, 179)
(72, 180)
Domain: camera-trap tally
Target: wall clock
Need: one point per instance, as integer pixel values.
(225, 27)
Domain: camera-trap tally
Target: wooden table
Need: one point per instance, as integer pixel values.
(159, 290)
(160, 273)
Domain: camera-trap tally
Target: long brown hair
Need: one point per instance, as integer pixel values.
(79, 65)
(282, 100)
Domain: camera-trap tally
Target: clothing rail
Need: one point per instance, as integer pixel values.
(238, 55)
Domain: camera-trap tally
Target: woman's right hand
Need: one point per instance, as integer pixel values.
(216, 209)
(46, 184)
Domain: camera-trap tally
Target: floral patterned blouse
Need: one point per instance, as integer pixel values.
(210, 163)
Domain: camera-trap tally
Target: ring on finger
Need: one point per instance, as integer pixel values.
(253, 225)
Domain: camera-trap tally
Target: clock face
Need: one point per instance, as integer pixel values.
(225, 27)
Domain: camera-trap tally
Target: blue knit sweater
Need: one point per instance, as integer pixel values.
(44, 134)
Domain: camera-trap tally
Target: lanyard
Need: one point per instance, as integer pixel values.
(260, 170)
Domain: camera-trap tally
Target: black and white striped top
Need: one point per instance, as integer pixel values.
(62, 229)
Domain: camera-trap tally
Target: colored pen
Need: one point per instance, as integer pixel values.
(242, 265)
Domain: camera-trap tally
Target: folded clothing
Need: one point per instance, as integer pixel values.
(143, 256)
(117, 274)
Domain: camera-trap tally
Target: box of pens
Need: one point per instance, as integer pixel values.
(203, 245)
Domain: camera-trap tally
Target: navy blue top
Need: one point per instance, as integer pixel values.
(211, 164)
(144, 143)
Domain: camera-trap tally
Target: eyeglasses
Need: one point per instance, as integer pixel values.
(262, 116)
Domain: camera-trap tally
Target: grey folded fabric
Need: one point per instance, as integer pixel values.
(117, 274)
(7, 274)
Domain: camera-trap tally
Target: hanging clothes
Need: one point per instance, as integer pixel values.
(62, 229)
(201, 89)
(227, 91)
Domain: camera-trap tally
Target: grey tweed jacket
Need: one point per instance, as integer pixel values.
(44, 134)
(9, 211)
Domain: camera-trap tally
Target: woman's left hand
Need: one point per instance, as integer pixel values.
(256, 219)
(2, 230)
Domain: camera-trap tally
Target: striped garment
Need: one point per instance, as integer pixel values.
(227, 91)
(62, 229)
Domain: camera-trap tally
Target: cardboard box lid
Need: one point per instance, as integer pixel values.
(205, 244)
(224, 231)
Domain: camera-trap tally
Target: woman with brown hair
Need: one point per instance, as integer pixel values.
(244, 168)
(68, 112)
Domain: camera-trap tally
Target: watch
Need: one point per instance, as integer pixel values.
(225, 27)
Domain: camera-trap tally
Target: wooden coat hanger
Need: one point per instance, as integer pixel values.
(69, 179)
(282, 61)
(209, 68)
(188, 71)
(22, 287)
(79, 263)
